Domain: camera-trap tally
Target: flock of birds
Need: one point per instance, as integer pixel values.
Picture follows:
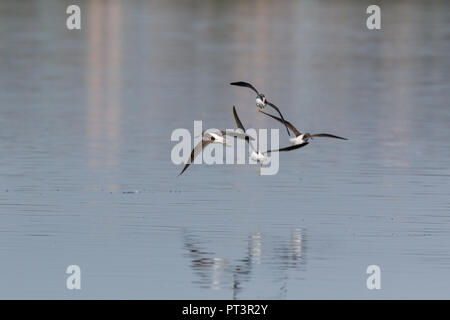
(300, 140)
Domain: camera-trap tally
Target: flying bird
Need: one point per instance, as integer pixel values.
(256, 155)
(300, 138)
(261, 100)
(211, 137)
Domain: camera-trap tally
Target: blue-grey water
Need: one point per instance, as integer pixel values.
(85, 171)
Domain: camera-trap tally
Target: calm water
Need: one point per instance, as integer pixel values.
(85, 171)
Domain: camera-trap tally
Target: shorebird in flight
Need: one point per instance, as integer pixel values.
(256, 155)
(209, 137)
(261, 100)
(300, 138)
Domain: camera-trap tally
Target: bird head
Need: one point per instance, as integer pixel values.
(215, 138)
(262, 97)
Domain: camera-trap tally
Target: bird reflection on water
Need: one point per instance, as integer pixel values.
(214, 272)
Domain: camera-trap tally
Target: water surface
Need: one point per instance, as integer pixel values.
(85, 171)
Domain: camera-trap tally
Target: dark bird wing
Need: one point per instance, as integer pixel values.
(278, 110)
(237, 120)
(296, 146)
(240, 126)
(239, 123)
(244, 84)
(195, 152)
(248, 85)
(327, 135)
(286, 123)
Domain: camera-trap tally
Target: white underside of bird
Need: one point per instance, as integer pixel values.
(298, 140)
(258, 156)
(260, 103)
